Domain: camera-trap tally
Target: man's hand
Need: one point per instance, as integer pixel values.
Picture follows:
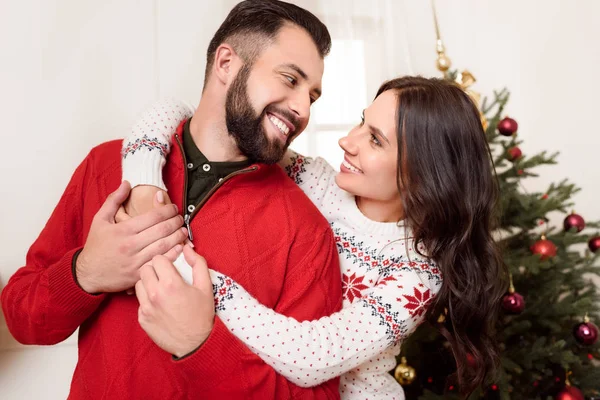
(142, 198)
(113, 253)
(178, 317)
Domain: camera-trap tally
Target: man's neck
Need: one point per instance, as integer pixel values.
(209, 132)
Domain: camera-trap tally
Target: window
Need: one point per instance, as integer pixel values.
(340, 108)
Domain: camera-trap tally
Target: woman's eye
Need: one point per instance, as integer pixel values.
(375, 141)
(362, 120)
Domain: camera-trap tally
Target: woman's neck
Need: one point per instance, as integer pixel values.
(381, 211)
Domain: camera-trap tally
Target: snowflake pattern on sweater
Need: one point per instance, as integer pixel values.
(387, 288)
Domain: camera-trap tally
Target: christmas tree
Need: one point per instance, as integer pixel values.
(549, 346)
(549, 342)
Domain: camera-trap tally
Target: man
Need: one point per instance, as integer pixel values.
(254, 224)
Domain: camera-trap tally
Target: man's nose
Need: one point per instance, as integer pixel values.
(300, 106)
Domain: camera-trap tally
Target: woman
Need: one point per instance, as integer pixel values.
(413, 202)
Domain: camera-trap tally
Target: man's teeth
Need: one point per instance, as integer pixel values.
(278, 123)
(350, 167)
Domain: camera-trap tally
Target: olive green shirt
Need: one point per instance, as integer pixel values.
(203, 174)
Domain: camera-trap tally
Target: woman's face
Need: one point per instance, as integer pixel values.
(370, 161)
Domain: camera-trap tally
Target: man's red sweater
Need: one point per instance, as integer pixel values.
(258, 227)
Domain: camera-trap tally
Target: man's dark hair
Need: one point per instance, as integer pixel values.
(253, 24)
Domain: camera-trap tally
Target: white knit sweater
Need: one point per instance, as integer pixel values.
(387, 285)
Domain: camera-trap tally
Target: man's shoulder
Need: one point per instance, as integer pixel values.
(105, 162)
(107, 155)
(301, 208)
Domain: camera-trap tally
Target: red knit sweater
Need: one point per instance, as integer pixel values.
(259, 228)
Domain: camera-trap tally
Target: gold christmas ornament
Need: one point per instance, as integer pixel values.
(464, 79)
(443, 62)
(404, 373)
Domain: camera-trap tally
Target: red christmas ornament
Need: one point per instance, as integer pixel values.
(507, 126)
(514, 153)
(512, 302)
(594, 244)
(574, 221)
(570, 393)
(586, 333)
(544, 248)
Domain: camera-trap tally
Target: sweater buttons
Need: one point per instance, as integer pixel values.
(191, 208)
(206, 167)
(190, 165)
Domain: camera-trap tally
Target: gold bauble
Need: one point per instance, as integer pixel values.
(404, 373)
(465, 79)
(484, 121)
(443, 62)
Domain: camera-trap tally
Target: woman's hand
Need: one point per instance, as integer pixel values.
(142, 199)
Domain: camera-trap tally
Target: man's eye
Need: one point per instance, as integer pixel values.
(291, 79)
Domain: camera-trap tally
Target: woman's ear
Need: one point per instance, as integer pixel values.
(224, 66)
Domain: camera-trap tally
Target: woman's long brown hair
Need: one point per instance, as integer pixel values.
(449, 191)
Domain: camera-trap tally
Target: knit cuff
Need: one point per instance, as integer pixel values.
(144, 167)
(66, 294)
(202, 368)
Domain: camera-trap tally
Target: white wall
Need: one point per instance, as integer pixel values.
(76, 73)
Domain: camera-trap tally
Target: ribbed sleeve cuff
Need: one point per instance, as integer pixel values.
(66, 294)
(203, 372)
(144, 167)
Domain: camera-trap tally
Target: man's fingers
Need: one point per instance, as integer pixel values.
(153, 217)
(159, 231)
(150, 280)
(142, 296)
(174, 253)
(114, 200)
(161, 246)
(121, 215)
(165, 270)
(201, 276)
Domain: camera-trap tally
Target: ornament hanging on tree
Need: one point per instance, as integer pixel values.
(514, 153)
(507, 126)
(586, 333)
(569, 392)
(594, 244)
(404, 373)
(513, 302)
(544, 248)
(574, 221)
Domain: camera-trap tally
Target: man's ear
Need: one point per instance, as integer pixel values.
(225, 64)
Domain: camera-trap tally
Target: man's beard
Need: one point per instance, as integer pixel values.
(246, 128)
